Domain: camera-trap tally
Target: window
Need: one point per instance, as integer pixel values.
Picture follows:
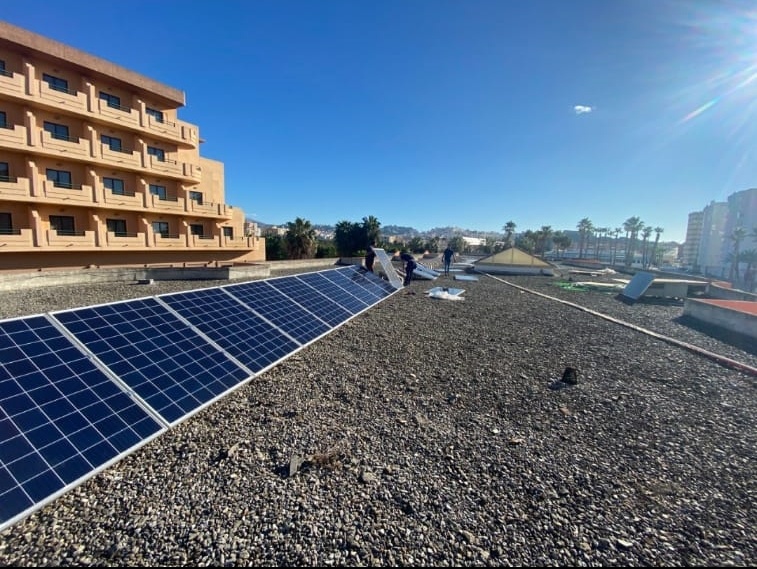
(228, 232)
(117, 226)
(4, 71)
(6, 225)
(112, 101)
(115, 185)
(56, 83)
(156, 114)
(57, 131)
(3, 120)
(159, 153)
(196, 229)
(59, 178)
(196, 196)
(4, 172)
(160, 227)
(159, 191)
(111, 142)
(63, 224)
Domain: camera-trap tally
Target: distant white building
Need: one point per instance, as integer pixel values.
(474, 241)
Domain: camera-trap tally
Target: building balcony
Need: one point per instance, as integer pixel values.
(123, 240)
(193, 171)
(124, 158)
(205, 241)
(169, 167)
(173, 205)
(165, 241)
(12, 85)
(74, 194)
(239, 242)
(125, 200)
(70, 239)
(16, 239)
(14, 189)
(205, 208)
(65, 146)
(74, 100)
(13, 137)
(118, 114)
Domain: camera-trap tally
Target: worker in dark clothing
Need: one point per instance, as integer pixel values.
(370, 256)
(410, 266)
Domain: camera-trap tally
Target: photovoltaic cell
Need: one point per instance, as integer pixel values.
(308, 297)
(377, 281)
(279, 309)
(61, 417)
(169, 365)
(241, 332)
(342, 296)
(351, 279)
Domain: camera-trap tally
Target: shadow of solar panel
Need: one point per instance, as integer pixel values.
(253, 341)
(167, 363)
(62, 418)
(311, 299)
(279, 309)
(341, 295)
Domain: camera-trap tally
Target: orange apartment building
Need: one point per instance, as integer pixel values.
(96, 169)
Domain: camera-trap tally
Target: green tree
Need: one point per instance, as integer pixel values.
(416, 245)
(542, 238)
(348, 238)
(371, 226)
(658, 231)
(275, 248)
(509, 229)
(561, 241)
(631, 226)
(457, 243)
(646, 232)
(585, 227)
(737, 237)
(300, 239)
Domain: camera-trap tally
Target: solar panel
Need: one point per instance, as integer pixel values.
(61, 417)
(357, 284)
(279, 309)
(386, 265)
(167, 363)
(638, 285)
(308, 297)
(345, 298)
(253, 341)
(377, 281)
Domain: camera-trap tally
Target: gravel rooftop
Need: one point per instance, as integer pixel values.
(433, 432)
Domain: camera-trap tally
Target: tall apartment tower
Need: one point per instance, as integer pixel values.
(710, 258)
(97, 169)
(693, 240)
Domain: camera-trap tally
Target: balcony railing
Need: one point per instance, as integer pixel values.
(65, 144)
(67, 192)
(168, 240)
(165, 166)
(119, 113)
(239, 242)
(13, 136)
(124, 156)
(126, 199)
(12, 188)
(16, 238)
(204, 241)
(119, 239)
(166, 204)
(12, 84)
(70, 239)
(62, 97)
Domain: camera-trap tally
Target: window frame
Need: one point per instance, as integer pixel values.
(108, 184)
(57, 83)
(157, 227)
(56, 220)
(109, 142)
(158, 190)
(116, 226)
(56, 179)
(56, 130)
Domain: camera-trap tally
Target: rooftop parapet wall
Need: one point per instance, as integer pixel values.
(48, 48)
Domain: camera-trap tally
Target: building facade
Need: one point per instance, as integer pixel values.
(96, 168)
(710, 258)
(690, 252)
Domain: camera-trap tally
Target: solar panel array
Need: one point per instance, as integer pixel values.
(82, 388)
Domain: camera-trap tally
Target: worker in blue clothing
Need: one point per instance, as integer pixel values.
(447, 256)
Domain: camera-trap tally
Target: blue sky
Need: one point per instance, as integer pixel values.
(430, 113)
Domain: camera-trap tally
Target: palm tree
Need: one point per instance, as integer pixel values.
(372, 231)
(658, 231)
(509, 229)
(737, 237)
(300, 239)
(750, 258)
(615, 232)
(645, 233)
(584, 227)
(543, 235)
(632, 226)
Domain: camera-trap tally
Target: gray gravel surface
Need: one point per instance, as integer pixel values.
(434, 432)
